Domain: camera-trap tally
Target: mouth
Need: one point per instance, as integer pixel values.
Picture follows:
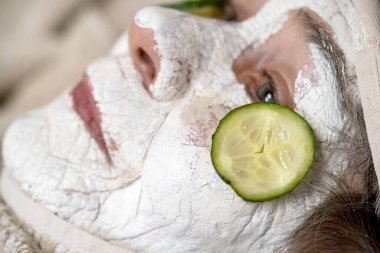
(85, 106)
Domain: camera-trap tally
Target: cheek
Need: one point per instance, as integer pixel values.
(181, 182)
(182, 189)
(200, 123)
(179, 158)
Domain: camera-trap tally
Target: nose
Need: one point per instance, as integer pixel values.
(170, 49)
(143, 53)
(162, 47)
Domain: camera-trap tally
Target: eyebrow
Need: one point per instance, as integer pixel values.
(318, 33)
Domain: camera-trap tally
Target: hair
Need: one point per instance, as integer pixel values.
(347, 220)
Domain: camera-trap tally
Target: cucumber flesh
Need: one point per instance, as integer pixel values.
(263, 150)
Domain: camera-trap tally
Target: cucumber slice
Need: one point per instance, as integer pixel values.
(207, 11)
(204, 8)
(263, 150)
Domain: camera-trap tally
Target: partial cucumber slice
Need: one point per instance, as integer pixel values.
(263, 150)
(204, 8)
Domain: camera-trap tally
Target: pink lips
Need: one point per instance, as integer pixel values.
(85, 106)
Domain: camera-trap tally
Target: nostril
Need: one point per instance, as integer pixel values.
(143, 52)
(147, 65)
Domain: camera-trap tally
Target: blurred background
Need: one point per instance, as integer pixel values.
(45, 46)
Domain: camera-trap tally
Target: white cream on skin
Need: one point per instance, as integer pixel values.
(315, 96)
(162, 193)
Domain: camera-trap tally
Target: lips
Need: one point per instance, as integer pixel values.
(85, 106)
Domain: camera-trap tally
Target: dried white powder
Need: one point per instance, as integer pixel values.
(315, 96)
(162, 194)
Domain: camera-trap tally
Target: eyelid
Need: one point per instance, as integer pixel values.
(230, 12)
(272, 82)
(256, 80)
(283, 94)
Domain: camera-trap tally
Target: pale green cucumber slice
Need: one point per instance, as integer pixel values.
(263, 150)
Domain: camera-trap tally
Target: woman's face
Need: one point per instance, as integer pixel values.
(125, 154)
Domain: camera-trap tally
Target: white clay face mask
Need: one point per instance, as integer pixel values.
(158, 192)
(316, 96)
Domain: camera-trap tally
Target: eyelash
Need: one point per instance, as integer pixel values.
(230, 13)
(266, 88)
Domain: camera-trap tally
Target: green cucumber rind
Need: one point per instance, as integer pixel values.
(194, 4)
(285, 190)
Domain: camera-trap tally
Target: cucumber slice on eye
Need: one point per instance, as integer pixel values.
(204, 8)
(262, 150)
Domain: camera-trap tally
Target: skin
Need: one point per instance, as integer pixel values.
(274, 58)
(157, 175)
(246, 8)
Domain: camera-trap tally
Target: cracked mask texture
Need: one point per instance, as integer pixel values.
(161, 192)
